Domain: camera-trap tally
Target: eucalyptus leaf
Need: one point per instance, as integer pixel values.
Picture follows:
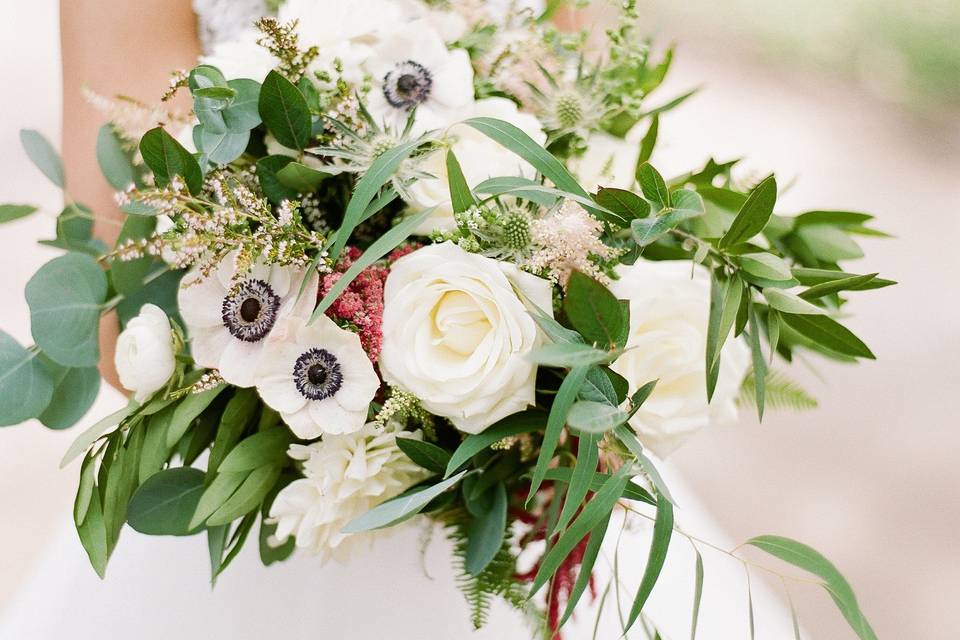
(114, 160)
(662, 534)
(43, 155)
(520, 188)
(578, 485)
(759, 364)
(566, 396)
(569, 354)
(595, 417)
(646, 231)
(222, 147)
(64, 296)
(790, 303)
(26, 386)
(11, 212)
(243, 112)
(74, 394)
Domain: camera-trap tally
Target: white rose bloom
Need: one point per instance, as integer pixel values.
(317, 376)
(229, 319)
(413, 69)
(455, 334)
(345, 476)
(669, 313)
(479, 156)
(608, 162)
(144, 357)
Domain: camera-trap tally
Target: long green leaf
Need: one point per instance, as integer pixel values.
(88, 437)
(753, 215)
(629, 438)
(759, 364)
(367, 189)
(579, 485)
(425, 454)
(486, 533)
(512, 425)
(566, 395)
(631, 492)
(188, 409)
(384, 245)
(524, 146)
(461, 197)
(589, 417)
(829, 333)
(809, 559)
(697, 594)
(590, 554)
(662, 533)
(394, 511)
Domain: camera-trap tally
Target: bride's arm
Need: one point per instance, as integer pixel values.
(114, 47)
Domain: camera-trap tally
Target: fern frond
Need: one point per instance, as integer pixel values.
(781, 393)
(497, 579)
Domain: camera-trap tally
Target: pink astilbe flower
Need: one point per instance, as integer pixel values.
(566, 240)
(361, 304)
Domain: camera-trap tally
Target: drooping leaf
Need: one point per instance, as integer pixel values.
(248, 496)
(164, 504)
(580, 478)
(65, 296)
(262, 448)
(566, 395)
(26, 386)
(629, 439)
(649, 141)
(759, 363)
(586, 567)
(114, 160)
(43, 155)
(400, 508)
(92, 531)
(790, 303)
(285, 111)
(808, 559)
(631, 492)
(92, 434)
(697, 594)
(853, 283)
(188, 409)
(662, 534)
(486, 533)
(753, 215)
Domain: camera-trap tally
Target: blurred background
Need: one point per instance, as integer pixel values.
(859, 102)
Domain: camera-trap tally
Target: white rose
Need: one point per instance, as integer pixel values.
(144, 356)
(455, 334)
(479, 156)
(669, 313)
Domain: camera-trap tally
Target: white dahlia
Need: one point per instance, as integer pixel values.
(344, 477)
(229, 314)
(317, 376)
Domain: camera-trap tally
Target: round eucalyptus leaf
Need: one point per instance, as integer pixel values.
(243, 113)
(74, 393)
(65, 297)
(114, 161)
(25, 385)
(222, 148)
(164, 504)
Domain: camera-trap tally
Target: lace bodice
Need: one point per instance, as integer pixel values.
(221, 20)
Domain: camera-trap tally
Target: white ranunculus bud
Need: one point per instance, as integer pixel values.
(455, 334)
(669, 314)
(144, 357)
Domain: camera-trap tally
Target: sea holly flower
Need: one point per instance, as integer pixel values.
(414, 70)
(317, 376)
(231, 312)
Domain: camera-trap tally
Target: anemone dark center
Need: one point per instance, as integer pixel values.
(249, 311)
(407, 85)
(317, 374)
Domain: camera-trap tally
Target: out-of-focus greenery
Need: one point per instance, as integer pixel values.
(908, 52)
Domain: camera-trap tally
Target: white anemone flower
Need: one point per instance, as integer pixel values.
(413, 69)
(317, 376)
(344, 477)
(229, 315)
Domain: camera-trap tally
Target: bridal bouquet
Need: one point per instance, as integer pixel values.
(408, 258)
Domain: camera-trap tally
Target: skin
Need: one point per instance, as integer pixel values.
(115, 47)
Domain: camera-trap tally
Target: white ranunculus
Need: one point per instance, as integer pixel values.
(317, 376)
(608, 162)
(455, 334)
(669, 313)
(344, 477)
(144, 357)
(230, 315)
(413, 69)
(479, 156)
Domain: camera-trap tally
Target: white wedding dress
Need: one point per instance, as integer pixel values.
(159, 589)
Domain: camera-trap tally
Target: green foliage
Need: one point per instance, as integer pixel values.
(11, 212)
(168, 158)
(753, 215)
(401, 508)
(596, 313)
(26, 386)
(487, 532)
(781, 393)
(285, 112)
(115, 162)
(65, 297)
(427, 455)
(164, 504)
(495, 580)
(75, 390)
(43, 155)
